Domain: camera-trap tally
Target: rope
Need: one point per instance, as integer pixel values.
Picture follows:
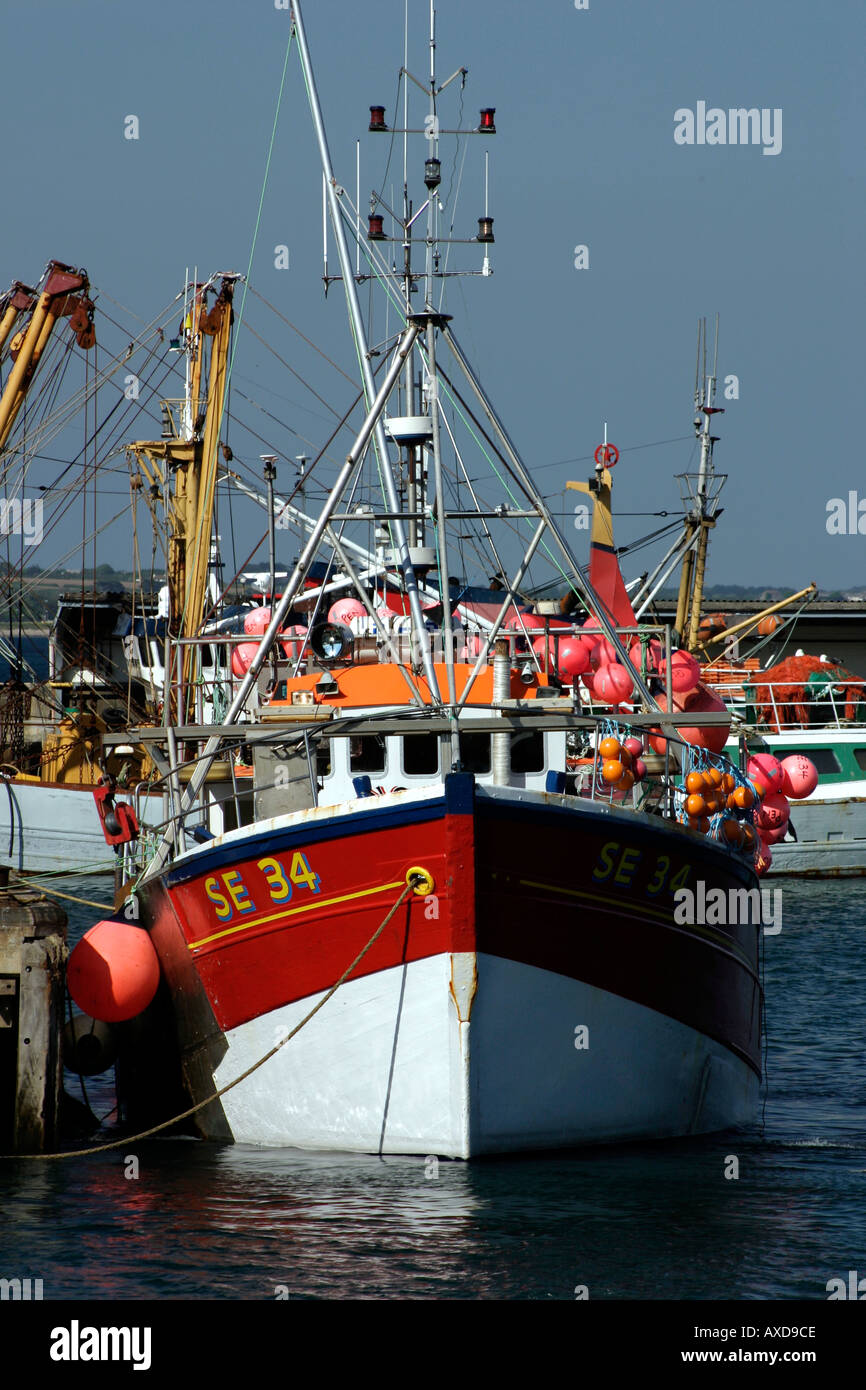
(167, 1124)
(56, 893)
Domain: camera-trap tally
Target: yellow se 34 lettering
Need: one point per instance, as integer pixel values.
(238, 896)
(618, 865)
(229, 893)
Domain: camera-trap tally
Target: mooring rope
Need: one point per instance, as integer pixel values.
(56, 893)
(413, 880)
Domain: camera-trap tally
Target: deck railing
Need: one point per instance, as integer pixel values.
(783, 705)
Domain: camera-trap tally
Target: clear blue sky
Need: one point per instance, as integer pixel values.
(585, 154)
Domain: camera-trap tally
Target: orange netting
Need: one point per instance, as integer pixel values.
(795, 698)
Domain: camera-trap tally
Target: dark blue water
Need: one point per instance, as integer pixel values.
(649, 1221)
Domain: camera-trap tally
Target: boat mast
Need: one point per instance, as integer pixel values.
(182, 467)
(705, 477)
(396, 524)
(702, 517)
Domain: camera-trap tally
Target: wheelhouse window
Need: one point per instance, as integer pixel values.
(367, 753)
(475, 753)
(527, 751)
(420, 755)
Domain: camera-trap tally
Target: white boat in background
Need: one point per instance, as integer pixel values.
(822, 717)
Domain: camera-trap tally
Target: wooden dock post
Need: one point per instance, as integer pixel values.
(32, 994)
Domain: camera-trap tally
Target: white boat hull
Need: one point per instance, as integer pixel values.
(831, 836)
(415, 1059)
(51, 829)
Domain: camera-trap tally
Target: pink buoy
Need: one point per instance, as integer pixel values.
(766, 770)
(568, 657)
(292, 650)
(472, 648)
(113, 972)
(604, 653)
(773, 812)
(685, 671)
(345, 609)
(613, 684)
(654, 656)
(773, 837)
(572, 657)
(699, 701)
(243, 656)
(530, 621)
(633, 745)
(256, 621)
(763, 857)
(799, 776)
(638, 767)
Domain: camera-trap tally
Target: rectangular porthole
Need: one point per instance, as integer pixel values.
(420, 755)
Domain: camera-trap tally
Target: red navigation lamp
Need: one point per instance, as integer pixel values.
(375, 231)
(485, 229)
(487, 125)
(377, 118)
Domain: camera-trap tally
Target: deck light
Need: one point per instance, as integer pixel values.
(377, 118)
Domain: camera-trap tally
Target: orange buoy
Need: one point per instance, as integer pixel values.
(695, 782)
(612, 770)
(626, 781)
(695, 805)
(733, 832)
(113, 972)
(610, 748)
(743, 798)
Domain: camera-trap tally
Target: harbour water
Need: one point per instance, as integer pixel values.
(668, 1221)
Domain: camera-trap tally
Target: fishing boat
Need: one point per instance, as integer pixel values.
(435, 935)
(810, 706)
(803, 705)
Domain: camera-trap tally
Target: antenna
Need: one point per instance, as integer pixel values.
(325, 232)
(357, 209)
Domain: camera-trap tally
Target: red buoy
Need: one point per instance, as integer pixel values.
(799, 776)
(113, 972)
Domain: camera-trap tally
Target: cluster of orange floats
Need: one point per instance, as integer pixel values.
(716, 799)
(620, 764)
(711, 792)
